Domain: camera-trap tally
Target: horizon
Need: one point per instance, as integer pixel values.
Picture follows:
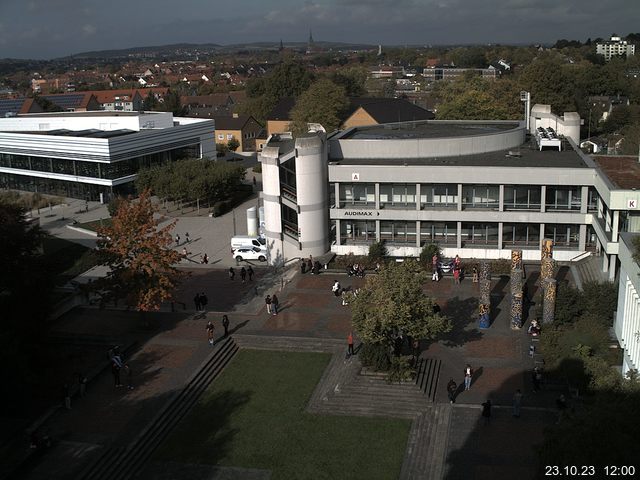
(52, 29)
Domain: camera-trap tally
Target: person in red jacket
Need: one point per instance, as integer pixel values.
(350, 344)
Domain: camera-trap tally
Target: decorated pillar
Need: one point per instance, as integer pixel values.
(517, 288)
(549, 301)
(547, 270)
(516, 260)
(547, 248)
(485, 295)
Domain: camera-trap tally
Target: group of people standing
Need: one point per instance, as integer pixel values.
(244, 272)
(272, 303)
(310, 266)
(200, 300)
(210, 328)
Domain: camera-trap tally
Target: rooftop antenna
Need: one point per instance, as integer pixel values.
(526, 98)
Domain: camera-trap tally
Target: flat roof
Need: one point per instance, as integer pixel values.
(624, 172)
(90, 113)
(527, 155)
(428, 129)
(90, 133)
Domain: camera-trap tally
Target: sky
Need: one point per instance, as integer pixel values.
(52, 28)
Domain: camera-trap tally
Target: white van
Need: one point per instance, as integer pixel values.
(244, 241)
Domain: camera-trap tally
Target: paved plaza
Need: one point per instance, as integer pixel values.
(166, 352)
(169, 347)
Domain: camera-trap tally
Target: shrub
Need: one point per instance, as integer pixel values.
(377, 250)
(257, 168)
(344, 261)
(376, 356)
(114, 205)
(427, 253)
(400, 369)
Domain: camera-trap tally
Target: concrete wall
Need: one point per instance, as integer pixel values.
(627, 319)
(427, 147)
(312, 195)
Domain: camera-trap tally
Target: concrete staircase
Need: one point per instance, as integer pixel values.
(124, 462)
(588, 270)
(427, 443)
(291, 344)
(428, 376)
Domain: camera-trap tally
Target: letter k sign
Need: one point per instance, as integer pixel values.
(632, 204)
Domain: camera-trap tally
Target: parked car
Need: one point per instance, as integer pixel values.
(249, 253)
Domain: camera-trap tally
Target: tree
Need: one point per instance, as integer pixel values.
(324, 103)
(140, 257)
(25, 286)
(393, 303)
(471, 97)
(233, 144)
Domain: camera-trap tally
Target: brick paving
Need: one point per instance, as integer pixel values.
(175, 345)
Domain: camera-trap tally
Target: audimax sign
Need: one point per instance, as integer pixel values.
(361, 213)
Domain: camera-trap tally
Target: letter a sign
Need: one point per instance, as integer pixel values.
(355, 177)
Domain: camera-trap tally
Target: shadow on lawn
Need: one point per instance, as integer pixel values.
(204, 436)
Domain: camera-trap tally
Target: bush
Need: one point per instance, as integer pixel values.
(400, 369)
(376, 356)
(257, 168)
(344, 261)
(427, 253)
(499, 267)
(377, 250)
(114, 205)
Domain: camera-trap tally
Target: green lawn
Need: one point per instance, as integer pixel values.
(65, 259)
(253, 416)
(93, 226)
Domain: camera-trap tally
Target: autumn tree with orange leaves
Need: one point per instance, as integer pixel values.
(140, 257)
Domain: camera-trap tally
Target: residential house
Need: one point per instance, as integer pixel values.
(243, 128)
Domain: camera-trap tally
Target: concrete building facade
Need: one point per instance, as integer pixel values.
(478, 189)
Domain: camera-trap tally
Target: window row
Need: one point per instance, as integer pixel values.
(486, 197)
(446, 233)
(81, 168)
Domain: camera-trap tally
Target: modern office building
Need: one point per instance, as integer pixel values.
(615, 47)
(92, 155)
(477, 188)
(627, 320)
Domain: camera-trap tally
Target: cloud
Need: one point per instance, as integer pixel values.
(89, 29)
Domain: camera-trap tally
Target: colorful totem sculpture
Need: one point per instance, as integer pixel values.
(485, 295)
(517, 285)
(549, 302)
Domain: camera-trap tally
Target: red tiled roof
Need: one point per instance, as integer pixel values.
(624, 172)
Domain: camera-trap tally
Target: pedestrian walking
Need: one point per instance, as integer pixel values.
(232, 273)
(115, 371)
(66, 391)
(452, 387)
(198, 302)
(225, 324)
(336, 289)
(250, 273)
(129, 373)
(82, 385)
(536, 379)
(486, 412)
(210, 329)
(310, 266)
(203, 301)
(243, 274)
(350, 350)
(205, 259)
(475, 275)
(177, 239)
(456, 276)
(187, 238)
(303, 266)
(254, 181)
(267, 301)
(517, 402)
(274, 304)
(468, 376)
